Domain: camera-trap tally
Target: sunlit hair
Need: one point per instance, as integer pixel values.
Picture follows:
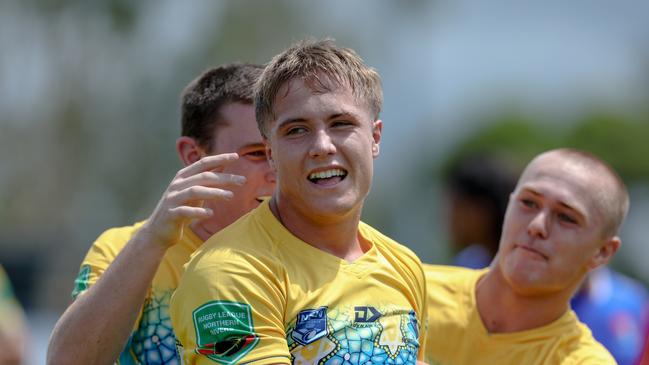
(204, 97)
(613, 201)
(324, 67)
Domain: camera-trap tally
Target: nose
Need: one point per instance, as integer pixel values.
(539, 225)
(322, 144)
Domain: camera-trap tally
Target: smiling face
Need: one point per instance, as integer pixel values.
(552, 233)
(322, 146)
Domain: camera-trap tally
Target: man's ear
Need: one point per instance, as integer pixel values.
(377, 126)
(189, 150)
(605, 253)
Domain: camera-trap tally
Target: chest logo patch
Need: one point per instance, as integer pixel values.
(311, 325)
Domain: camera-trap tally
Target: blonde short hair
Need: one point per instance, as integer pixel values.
(323, 66)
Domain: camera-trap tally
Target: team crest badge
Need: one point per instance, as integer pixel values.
(224, 331)
(311, 325)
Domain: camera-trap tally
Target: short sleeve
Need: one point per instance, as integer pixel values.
(99, 257)
(229, 308)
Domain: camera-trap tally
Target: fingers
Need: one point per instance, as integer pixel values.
(185, 212)
(208, 163)
(197, 193)
(207, 178)
(184, 197)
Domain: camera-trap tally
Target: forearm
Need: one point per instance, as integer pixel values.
(96, 326)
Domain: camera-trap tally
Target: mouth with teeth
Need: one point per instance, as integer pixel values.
(328, 177)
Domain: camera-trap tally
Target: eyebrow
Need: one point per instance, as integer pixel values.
(563, 204)
(344, 114)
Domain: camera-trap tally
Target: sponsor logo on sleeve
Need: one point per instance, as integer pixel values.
(224, 331)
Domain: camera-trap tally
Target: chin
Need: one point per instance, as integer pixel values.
(532, 283)
(338, 208)
(521, 278)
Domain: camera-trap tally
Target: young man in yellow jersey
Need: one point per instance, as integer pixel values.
(121, 310)
(301, 279)
(561, 222)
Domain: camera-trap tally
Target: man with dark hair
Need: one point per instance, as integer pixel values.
(561, 222)
(126, 280)
(478, 186)
(301, 279)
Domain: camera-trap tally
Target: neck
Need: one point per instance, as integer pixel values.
(337, 236)
(503, 310)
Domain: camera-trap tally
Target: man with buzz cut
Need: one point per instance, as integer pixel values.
(121, 308)
(301, 279)
(562, 222)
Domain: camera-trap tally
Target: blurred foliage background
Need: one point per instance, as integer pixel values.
(89, 101)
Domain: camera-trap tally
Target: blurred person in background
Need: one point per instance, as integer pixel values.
(478, 186)
(615, 307)
(12, 324)
(561, 223)
(120, 312)
(612, 305)
(644, 356)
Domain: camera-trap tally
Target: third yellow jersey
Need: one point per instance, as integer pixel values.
(457, 335)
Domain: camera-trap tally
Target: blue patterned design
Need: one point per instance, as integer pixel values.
(153, 343)
(350, 342)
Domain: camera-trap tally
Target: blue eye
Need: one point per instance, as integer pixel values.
(340, 123)
(295, 130)
(566, 218)
(529, 203)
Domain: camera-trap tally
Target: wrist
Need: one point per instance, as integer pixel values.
(146, 239)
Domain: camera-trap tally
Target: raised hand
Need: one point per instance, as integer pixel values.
(183, 199)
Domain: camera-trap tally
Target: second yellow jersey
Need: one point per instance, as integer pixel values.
(256, 293)
(457, 335)
(152, 341)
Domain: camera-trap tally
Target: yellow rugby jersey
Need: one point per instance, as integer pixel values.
(457, 335)
(152, 340)
(254, 293)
